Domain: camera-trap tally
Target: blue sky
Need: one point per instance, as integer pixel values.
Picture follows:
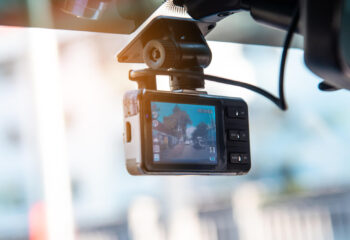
(166, 109)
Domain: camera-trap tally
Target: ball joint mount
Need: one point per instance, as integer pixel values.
(171, 43)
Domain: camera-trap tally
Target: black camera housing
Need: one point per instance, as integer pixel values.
(232, 135)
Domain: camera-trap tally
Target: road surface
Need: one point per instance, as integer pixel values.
(183, 152)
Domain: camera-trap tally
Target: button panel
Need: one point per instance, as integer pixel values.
(237, 136)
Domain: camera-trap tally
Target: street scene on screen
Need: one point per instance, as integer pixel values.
(183, 133)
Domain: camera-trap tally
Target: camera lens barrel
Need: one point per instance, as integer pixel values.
(164, 54)
(167, 54)
(160, 54)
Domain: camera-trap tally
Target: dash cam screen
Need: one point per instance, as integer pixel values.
(183, 133)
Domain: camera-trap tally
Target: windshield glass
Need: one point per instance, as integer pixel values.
(108, 16)
(63, 174)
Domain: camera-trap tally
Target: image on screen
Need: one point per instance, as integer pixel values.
(183, 133)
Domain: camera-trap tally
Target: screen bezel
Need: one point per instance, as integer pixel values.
(146, 117)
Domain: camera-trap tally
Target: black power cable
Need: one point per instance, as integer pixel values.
(287, 42)
(136, 74)
(279, 101)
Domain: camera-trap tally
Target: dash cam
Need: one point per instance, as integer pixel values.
(185, 134)
(184, 131)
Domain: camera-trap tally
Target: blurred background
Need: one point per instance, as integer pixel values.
(62, 173)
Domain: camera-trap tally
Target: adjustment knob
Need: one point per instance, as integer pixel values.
(160, 54)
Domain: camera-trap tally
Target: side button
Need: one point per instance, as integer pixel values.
(236, 112)
(235, 158)
(238, 135)
(234, 135)
(127, 132)
(238, 158)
